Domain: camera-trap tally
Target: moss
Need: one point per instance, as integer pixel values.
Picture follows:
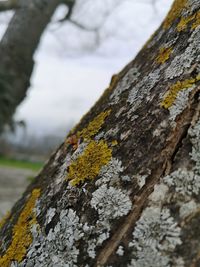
(4, 219)
(174, 13)
(182, 25)
(88, 164)
(173, 91)
(94, 126)
(164, 54)
(21, 237)
(197, 21)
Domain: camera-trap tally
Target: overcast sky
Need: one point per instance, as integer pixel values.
(72, 71)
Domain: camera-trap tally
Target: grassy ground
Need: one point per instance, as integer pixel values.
(20, 164)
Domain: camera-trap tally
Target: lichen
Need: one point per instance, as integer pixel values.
(196, 23)
(183, 62)
(110, 173)
(194, 133)
(120, 251)
(110, 202)
(88, 164)
(4, 219)
(185, 182)
(21, 236)
(173, 91)
(157, 229)
(180, 103)
(142, 90)
(94, 126)
(150, 258)
(124, 84)
(187, 208)
(183, 23)
(175, 12)
(164, 54)
(59, 247)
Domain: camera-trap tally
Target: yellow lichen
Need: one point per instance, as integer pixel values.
(114, 143)
(174, 13)
(4, 219)
(94, 126)
(173, 91)
(21, 237)
(197, 21)
(182, 25)
(164, 54)
(89, 163)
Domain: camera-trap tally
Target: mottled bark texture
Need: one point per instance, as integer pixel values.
(123, 189)
(17, 48)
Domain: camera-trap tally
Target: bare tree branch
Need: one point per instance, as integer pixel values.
(8, 5)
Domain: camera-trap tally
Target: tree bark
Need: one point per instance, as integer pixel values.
(17, 48)
(123, 188)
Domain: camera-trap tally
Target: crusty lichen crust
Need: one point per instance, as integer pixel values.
(21, 236)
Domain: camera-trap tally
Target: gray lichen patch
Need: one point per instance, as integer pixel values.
(110, 173)
(188, 208)
(194, 133)
(124, 84)
(142, 89)
(183, 62)
(58, 248)
(157, 229)
(193, 5)
(110, 202)
(155, 236)
(120, 251)
(148, 257)
(180, 104)
(185, 182)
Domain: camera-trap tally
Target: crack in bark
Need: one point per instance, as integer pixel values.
(139, 201)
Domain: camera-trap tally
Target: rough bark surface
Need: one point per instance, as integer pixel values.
(123, 189)
(16, 52)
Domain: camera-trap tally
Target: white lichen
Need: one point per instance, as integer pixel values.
(141, 180)
(159, 194)
(120, 251)
(126, 178)
(58, 248)
(180, 103)
(184, 182)
(110, 202)
(193, 5)
(124, 84)
(149, 257)
(156, 229)
(194, 133)
(110, 173)
(142, 90)
(187, 209)
(183, 62)
(50, 214)
(80, 149)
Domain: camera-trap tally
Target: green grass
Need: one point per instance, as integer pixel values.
(20, 164)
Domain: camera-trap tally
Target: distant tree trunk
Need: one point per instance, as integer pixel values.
(16, 52)
(123, 189)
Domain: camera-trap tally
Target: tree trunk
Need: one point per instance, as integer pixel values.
(16, 52)
(123, 189)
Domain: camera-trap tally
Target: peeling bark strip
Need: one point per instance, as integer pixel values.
(123, 189)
